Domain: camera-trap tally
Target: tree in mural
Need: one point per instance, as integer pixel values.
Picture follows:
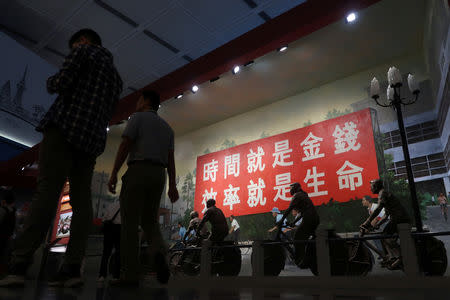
(307, 123)
(331, 114)
(227, 144)
(264, 135)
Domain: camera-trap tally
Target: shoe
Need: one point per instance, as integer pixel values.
(124, 283)
(162, 268)
(396, 265)
(68, 276)
(12, 281)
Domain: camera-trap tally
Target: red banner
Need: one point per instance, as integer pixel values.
(331, 159)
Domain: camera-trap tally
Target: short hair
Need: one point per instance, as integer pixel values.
(153, 97)
(179, 223)
(89, 34)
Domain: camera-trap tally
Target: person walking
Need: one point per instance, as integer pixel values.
(74, 134)
(235, 229)
(111, 240)
(148, 141)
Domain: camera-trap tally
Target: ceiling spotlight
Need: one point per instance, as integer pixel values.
(107, 129)
(351, 17)
(248, 63)
(194, 89)
(23, 168)
(179, 96)
(236, 69)
(282, 49)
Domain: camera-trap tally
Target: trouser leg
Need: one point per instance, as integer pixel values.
(150, 209)
(116, 242)
(108, 244)
(80, 179)
(129, 213)
(55, 160)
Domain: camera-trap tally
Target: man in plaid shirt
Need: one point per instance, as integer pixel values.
(74, 134)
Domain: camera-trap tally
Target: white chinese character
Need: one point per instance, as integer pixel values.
(210, 170)
(281, 154)
(283, 187)
(232, 163)
(255, 193)
(206, 196)
(231, 196)
(311, 147)
(255, 160)
(350, 178)
(315, 182)
(346, 138)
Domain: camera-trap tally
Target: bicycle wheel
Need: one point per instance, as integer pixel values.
(174, 261)
(274, 259)
(232, 260)
(432, 256)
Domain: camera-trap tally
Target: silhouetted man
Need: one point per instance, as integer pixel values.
(215, 216)
(148, 142)
(397, 213)
(310, 221)
(74, 134)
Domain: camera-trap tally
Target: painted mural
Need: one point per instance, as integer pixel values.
(23, 95)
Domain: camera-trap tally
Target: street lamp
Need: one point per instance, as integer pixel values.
(396, 101)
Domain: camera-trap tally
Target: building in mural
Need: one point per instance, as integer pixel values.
(14, 105)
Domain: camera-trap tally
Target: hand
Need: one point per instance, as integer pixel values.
(173, 194)
(112, 183)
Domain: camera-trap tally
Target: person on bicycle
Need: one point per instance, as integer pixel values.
(397, 213)
(193, 226)
(310, 221)
(276, 213)
(443, 204)
(216, 218)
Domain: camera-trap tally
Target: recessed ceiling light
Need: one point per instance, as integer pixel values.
(236, 69)
(107, 129)
(179, 96)
(194, 88)
(23, 168)
(282, 49)
(351, 17)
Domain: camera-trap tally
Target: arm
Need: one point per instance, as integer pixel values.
(121, 155)
(374, 214)
(204, 220)
(231, 229)
(173, 192)
(64, 79)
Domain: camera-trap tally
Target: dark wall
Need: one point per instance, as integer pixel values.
(9, 149)
(434, 187)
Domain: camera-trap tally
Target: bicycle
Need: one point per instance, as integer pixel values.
(346, 257)
(225, 261)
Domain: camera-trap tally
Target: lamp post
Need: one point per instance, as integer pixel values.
(395, 100)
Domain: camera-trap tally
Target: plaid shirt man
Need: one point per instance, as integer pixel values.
(89, 86)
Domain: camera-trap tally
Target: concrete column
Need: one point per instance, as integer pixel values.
(258, 259)
(323, 252)
(408, 250)
(205, 259)
(446, 184)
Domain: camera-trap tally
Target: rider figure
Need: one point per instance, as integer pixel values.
(303, 204)
(397, 213)
(216, 218)
(193, 225)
